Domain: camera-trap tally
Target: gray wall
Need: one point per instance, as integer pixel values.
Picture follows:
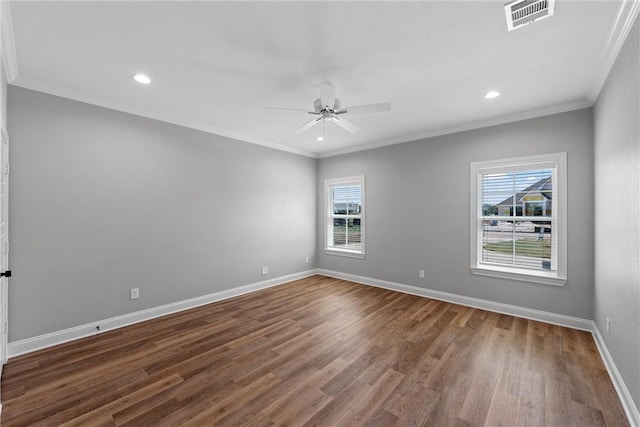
(103, 201)
(617, 215)
(417, 211)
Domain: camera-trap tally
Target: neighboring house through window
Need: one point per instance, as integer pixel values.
(344, 206)
(518, 218)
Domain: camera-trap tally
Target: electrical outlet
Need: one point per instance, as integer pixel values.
(265, 270)
(134, 293)
(421, 274)
(608, 325)
(306, 259)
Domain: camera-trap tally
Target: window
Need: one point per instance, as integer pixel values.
(344, 203)
(518, 218)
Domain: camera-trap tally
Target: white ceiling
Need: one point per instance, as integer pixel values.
(215, 66)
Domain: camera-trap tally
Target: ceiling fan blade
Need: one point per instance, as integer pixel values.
(308, 125)
(327, 95)
(345, 124)
(367, 108)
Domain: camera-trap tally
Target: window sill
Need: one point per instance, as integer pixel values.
(344, 253)
(513, 274)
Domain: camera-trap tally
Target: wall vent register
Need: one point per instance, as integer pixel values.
(524, 12)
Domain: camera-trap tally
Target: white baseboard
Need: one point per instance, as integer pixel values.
(36, 343)
(623, 392)
(628, 404)
(28, 345)
(514, 310)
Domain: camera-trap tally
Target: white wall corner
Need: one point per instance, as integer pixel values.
(618, 33)
(8, 46)
(40, 342)
(628, 404)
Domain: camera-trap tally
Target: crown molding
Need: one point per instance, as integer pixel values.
(625, 18)
(8, 46)
(494, 121)
(618, 34)
(191, 124)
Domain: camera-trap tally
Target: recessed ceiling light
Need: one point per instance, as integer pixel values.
(492, 94)
(142, 78)
(320, 139)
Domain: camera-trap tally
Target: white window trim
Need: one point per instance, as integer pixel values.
(332, 182)
(553, 160)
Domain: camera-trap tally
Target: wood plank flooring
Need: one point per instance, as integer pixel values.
(318, 352)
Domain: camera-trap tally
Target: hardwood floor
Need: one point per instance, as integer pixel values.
(318, 351)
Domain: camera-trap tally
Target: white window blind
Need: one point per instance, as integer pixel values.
(518, 223)
(345, 216)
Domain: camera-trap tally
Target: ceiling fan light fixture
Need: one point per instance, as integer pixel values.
(141, 78)
(492, 94)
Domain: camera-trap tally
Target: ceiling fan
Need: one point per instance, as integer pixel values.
(329, 109)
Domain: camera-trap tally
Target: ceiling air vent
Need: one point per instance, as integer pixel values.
(523, 12)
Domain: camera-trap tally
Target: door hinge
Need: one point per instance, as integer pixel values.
(6, 274)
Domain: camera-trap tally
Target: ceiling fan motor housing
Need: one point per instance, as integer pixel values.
(319, 108)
